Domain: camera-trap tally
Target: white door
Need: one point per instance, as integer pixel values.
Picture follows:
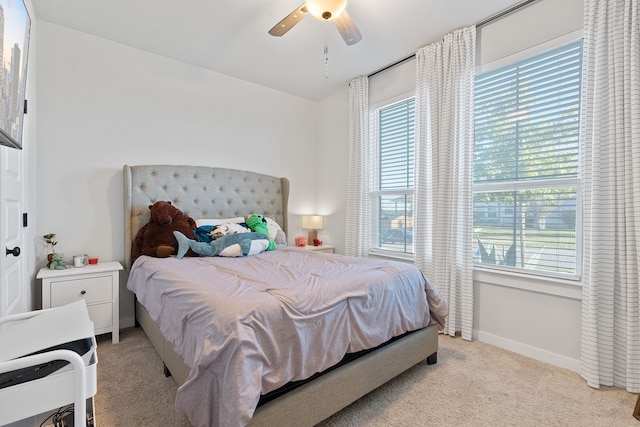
(13, 287)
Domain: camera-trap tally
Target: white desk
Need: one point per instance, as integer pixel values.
(27, 333)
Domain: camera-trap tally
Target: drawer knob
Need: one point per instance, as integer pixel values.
(83, 292)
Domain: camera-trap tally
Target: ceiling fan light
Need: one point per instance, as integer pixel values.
(325, 10)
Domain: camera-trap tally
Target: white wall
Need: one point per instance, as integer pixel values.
(332, 167)
(537, 317)
(102, 105)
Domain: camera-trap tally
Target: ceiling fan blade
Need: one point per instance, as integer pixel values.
(347, 29)
(288, 22)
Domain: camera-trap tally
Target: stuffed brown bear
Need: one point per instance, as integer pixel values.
(156, 238)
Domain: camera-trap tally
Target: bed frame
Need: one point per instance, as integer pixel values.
(208, 192)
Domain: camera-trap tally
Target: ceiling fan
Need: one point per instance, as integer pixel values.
(322, 10)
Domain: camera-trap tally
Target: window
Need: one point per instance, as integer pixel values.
(526, 184)
(393, 195)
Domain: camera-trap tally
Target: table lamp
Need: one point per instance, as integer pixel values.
(313, 223)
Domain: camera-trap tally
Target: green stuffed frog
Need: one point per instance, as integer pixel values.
(258, 224)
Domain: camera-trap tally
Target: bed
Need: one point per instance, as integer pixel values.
(290, 384)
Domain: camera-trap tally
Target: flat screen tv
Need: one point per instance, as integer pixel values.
(15, 26)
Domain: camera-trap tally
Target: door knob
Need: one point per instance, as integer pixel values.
(15, 251)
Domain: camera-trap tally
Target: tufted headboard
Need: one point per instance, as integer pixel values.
(200, 192)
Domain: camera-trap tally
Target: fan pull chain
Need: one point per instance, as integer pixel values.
(326, 57)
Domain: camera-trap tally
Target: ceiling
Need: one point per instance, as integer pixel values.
(230, 37)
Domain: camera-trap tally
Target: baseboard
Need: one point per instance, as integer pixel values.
(529, 351)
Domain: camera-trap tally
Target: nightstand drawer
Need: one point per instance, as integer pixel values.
(92, 290)
(324, 248)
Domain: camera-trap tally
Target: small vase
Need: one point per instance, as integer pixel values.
(49, 260)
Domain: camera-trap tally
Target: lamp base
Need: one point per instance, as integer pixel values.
(313, 235)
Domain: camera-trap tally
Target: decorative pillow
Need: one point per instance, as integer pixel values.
(276, 233)
(218, 221)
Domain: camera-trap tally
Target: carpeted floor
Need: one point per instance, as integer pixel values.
(473, 384)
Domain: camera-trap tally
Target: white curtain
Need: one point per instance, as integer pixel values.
(358, 223)
(610, 155)
(444, 172)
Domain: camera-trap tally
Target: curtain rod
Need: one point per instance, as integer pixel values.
(478, 25)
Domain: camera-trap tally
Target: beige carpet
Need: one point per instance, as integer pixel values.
(473, 384)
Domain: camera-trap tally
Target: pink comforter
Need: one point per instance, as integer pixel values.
(247, 326)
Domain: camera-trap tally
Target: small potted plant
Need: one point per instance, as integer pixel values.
(50, 239)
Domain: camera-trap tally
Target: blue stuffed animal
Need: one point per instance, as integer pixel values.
(230, 245)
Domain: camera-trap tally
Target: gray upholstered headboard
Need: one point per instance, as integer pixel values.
(200, 192)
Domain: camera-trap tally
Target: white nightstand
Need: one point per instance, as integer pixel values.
(98, 284)
(324, 248)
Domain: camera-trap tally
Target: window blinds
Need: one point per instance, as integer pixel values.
(396, 131)
(527, 118)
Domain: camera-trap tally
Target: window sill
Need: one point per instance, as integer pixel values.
(566, 288)
(548, 285)
(395, 255)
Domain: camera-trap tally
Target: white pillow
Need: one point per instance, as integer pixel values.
(275, 232)
(218, 221)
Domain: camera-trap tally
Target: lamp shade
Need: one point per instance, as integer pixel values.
(326, 10)
(312, 222)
